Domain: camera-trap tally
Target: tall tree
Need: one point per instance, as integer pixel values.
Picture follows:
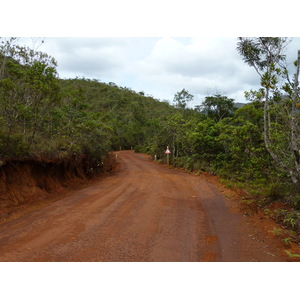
(281, 128)
(182, 98)
(217, 107)
(28, 89)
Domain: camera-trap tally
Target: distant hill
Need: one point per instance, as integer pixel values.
(239, 104)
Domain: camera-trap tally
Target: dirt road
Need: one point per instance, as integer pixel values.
(143, 211)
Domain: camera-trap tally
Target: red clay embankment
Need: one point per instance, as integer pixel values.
(28, 183)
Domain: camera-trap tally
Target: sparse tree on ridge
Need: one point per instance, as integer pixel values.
(182, 98)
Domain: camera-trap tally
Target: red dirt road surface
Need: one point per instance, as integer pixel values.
(143, 211)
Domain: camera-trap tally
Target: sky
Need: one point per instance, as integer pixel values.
(158, 47)
(159, 67)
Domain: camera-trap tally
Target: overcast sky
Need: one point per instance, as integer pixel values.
(159, 66)
(154, 60)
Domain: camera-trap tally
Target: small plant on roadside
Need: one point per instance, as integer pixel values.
(229, 185)
(249, 205)
(277, 231)
(276, 191)
(279, 215)
(287, 241)
(267, 211)
(292, 219)
(291, 255)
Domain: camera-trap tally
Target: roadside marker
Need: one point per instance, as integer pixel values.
(168, 152)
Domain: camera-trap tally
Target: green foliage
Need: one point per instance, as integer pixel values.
(291, 254)
(281, 122)
(287, 241)
(292, 220)
(288, 218)
(256, 51)
(217, 107)
(28, 90)
(277, 231)
(42, 115)
(182, 98)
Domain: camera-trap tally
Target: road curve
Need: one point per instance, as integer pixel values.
(143, 211)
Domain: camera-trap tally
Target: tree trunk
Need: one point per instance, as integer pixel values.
(295, 176)
(294, 119)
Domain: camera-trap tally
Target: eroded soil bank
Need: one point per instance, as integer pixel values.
(28, 183)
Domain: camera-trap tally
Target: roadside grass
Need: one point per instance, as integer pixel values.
(291, 255)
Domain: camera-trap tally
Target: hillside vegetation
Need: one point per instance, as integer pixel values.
(48, 119)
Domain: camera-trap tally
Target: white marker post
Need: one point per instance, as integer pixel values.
(168, 152)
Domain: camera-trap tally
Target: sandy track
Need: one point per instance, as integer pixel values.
(142, 212)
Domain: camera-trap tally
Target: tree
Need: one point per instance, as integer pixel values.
(30, 87)
(182, 98)
(281, 124)
(244, 155)
(217, 107)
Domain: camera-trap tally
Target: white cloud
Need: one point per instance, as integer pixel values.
(89, 57)
(198, 65)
